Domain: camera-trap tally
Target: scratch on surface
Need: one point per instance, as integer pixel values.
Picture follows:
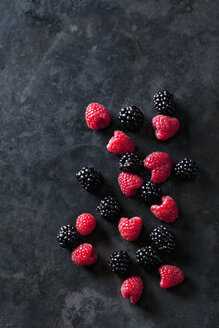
(16, 275)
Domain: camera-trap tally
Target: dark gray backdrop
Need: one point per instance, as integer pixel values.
(55, 58)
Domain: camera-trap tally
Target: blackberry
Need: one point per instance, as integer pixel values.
(150, 193)
(164, 103)
(108, 207)
(163, 239)
(89, 178)
(131, 162)
(68, 237)
(119, 262)
(148, 257)
(186, 168)
(131, 117)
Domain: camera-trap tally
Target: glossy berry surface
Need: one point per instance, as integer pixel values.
(131, 162)
(164, 103)
(131, 117)
(89, 178)
(163, 239)
(68, 237)
(119, 262)
(186, 169)
(109, 208)
(148, 257)
(150, 193)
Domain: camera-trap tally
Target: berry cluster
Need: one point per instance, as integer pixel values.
(161, 241)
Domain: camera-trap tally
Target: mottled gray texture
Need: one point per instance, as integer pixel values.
(56, 56)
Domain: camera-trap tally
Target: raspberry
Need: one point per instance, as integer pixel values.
(186, 169)
(167, 211)
(129, 183)
(97, 116)
(68, 237)
(164, 103)
(85, 224)
(131, 117)
(109, 208)
(170, 276)
(165, 127)
(131, 162)
(163, 239)
(119, 262)
(161, 166)
(84, 254)
(89, 178)
(150, 193)
(148, 257)
(132, 289)
(130, 228)
(120, 144)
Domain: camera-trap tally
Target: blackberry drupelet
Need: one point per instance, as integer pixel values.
(163, 239)
(150, 193)
(89, 178)
(186, 169)
(131, 162)
(108, 207)
(131, 117)
(164, 103)
(119, 262)
(148, 257)
(68, 237)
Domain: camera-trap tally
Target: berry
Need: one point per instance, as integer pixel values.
(167, 211)
(163, 239)
(97, 116)
(84, 254)
(89, 178)
(170, 276)
(165, 127)
(129, 183)
(186, 169)
(164, 103)
(120, 144)
(68, 237)
(119, 262)
(130, 228)
(132, 289)
(150, 193)
(131, 162)
(161, 166)
(148, 257)
(108, 207)
(131, 117)
(85, 224)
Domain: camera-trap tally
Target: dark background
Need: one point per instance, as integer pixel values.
(55, 58)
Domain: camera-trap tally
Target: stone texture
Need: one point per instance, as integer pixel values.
(55, 58)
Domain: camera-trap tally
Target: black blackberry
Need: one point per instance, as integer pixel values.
(186, 169)
(148, 257)
(163, 239)
(108, 207)
(150, 193)
(89, 178)
(131, 117)
(119, 262)
(164, 103)
(131, 162)
(68, 237)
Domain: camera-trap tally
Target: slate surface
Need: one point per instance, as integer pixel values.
(55, 58)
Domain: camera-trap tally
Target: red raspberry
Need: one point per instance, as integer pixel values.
(132, 289)
(84, 254)
(130, 228)
(167, 211)
(85, 224)
(129, 183)
(97, 116)
(120, 144)
(170, 276)
(161, 166)
(165, 126)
